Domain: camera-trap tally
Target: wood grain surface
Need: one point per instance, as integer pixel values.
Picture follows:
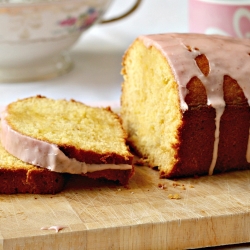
(150, 213)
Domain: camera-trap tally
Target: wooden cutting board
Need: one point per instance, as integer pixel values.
(149, 214)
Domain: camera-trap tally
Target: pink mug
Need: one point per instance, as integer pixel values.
(224, 17)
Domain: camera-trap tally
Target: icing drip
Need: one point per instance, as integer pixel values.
(219, 113)
(225, 55)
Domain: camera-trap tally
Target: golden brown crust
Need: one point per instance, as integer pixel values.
(35, 180)
(197, 138)
(195, 147)
(114, 175)
(91, 157)
(197, 134)
(234, 133)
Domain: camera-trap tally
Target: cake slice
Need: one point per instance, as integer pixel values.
(19, 177)
(185, 102)
(67, 137)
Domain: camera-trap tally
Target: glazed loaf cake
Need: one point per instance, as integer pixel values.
(185, 102)
(67, 137)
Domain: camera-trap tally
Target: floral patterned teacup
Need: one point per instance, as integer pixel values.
(35, 35)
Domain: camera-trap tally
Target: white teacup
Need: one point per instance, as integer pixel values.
(35, 35)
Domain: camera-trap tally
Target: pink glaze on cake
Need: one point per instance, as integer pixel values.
(181, 50)
(46, 155)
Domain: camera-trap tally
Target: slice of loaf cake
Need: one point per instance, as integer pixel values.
(185, 102)
(67, 137)
(19, 177)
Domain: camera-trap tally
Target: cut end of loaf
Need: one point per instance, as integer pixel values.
(152, 128)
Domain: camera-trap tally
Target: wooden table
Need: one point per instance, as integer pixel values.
(151, 213)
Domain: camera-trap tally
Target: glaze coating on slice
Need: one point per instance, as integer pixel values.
(47, 155)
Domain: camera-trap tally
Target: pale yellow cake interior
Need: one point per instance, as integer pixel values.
(68, 123)
(152, 127)
(7, 161)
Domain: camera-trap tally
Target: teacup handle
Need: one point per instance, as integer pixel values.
(131, 10)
